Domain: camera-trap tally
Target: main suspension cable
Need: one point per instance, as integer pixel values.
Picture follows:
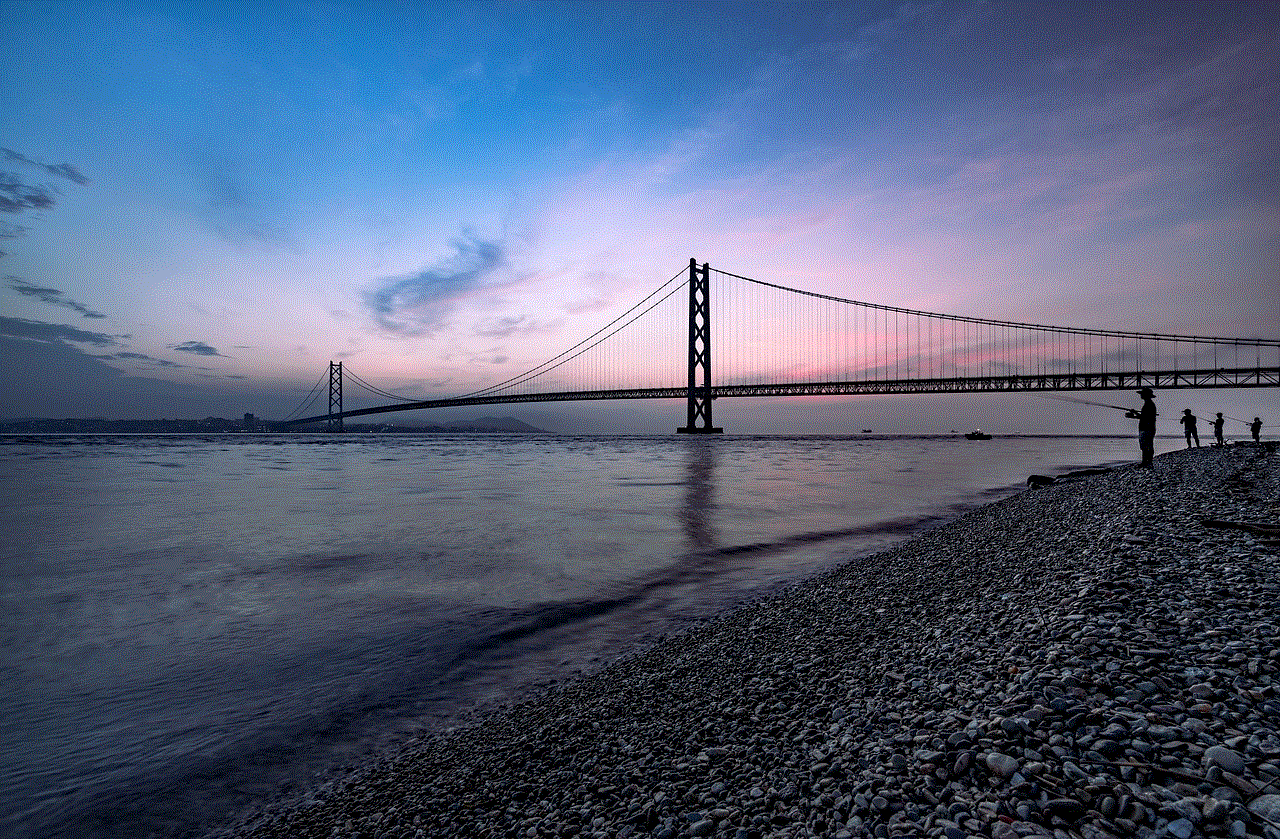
(538, 370)
(991, 322)
(376, 390)
(308, 399)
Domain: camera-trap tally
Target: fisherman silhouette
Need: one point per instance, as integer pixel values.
(1217, 428)
(1146, 418)
(1255, 428)
(1189, 423)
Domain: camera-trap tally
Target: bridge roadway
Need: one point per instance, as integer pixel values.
(1166, 380)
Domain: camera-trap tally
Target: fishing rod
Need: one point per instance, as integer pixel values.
(1120, 408)
(1237, 419)
(1082, 401)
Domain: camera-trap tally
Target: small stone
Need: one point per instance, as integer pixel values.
(1227, 794)
(1108, 748)
(1001, 764)
(1181, 828)
(1003, 830)
(1228, 760)
(1067, 809)
(1186, 808)
(1266, 807)
(1215, 809)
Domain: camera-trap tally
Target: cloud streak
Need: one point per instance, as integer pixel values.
(17, 197)
(52, 296)
(145, 359)
(196, 348)
(421, 303)
(54, 333)
(62, 170)
(232, 211)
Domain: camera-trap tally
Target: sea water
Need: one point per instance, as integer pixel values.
(192, 624)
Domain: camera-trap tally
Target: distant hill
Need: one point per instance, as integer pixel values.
(494, 424)
(218, 425)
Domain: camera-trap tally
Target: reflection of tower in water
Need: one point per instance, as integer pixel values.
(699, 493)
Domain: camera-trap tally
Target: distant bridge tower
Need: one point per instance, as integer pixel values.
(699, 351)
(335, 396)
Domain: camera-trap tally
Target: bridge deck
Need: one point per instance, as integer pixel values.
(1163, 380)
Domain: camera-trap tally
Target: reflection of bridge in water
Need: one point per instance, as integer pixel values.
(770, 340)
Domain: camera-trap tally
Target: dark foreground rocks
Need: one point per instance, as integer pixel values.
(1082, 660)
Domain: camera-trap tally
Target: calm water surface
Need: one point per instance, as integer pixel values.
(191, 623)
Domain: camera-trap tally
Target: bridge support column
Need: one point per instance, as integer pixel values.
(335, 396)
(699, 420)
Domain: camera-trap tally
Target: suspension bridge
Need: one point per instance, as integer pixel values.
(772, 340)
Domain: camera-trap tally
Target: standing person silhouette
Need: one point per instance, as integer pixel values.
(1217, 429)
(1146, 418)
(1189, 424)
(1255, 428)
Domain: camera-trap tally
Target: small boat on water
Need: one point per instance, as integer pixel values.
(977, 434)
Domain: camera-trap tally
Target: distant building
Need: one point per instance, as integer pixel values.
(250, 422)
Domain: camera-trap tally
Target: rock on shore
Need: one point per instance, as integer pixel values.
(1081, 660)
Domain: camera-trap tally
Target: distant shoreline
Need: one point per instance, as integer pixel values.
(219, 425)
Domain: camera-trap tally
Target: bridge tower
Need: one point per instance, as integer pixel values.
(335, 396)
(699, 352)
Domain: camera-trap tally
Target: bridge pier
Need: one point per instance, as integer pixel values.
(699, 398)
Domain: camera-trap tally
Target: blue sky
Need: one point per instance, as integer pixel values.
(443, 194)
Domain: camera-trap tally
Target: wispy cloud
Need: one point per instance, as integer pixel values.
(50, 295)
(140, 357)
(420, 303)
(196, 348)
(502, 327)
(63, 170)
(1146, 145)
(51, 333)
(17, 196)
(506, 326)
(873, 37)
(233, 211)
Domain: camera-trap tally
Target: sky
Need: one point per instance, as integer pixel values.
(205, 203)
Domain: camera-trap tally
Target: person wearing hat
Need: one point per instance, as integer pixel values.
(1217, 429)
(1255, 428)
(1146, 426)
(1189, 425)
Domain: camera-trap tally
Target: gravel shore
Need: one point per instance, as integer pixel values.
(1086, 659)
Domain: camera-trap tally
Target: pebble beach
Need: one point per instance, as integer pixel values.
(1096, 657)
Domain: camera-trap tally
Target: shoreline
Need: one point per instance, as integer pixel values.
(1085, 657)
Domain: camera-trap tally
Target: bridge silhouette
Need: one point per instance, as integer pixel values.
(772, 340)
